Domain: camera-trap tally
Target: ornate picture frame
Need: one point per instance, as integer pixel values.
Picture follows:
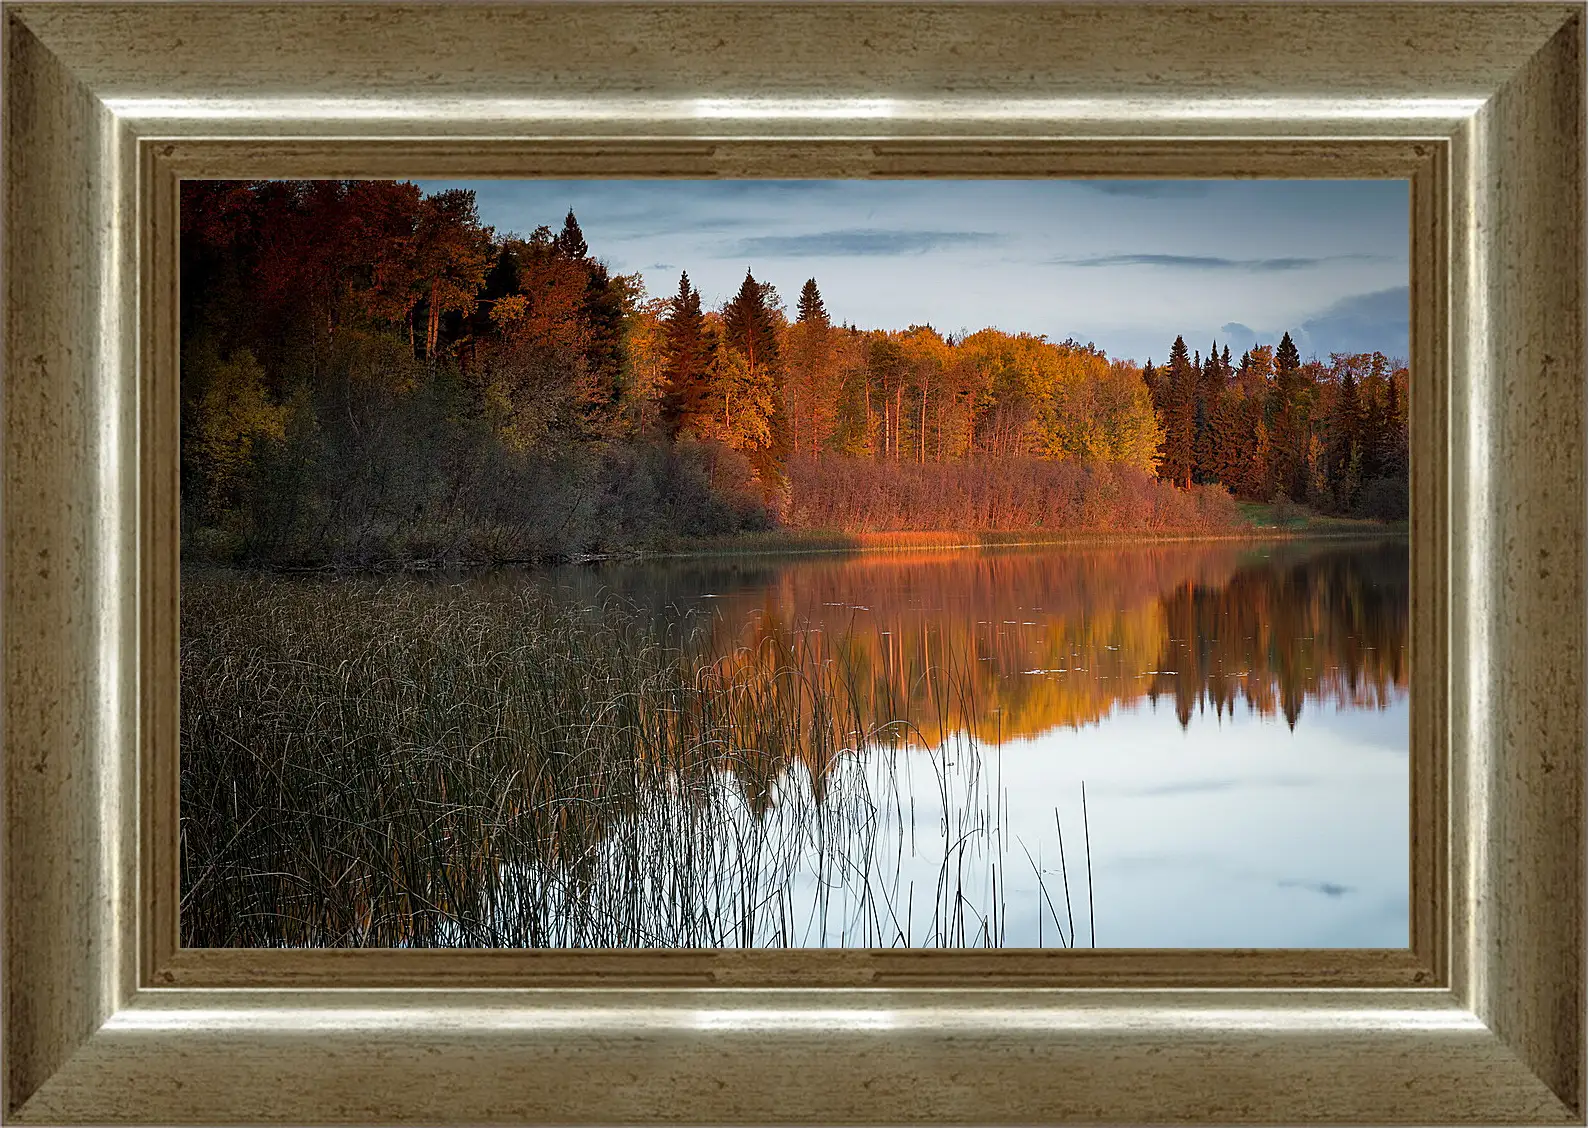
(1480, 106)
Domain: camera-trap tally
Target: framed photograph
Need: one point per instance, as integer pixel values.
(634, 562)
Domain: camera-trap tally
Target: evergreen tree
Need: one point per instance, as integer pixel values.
(1290, 433)
(1179, 381)
(1375, 424)
(812, 311)
(811, 375)
(749, 325)
(606, 359)
(685, 392)
(1210, 386)
(1233, 440)
(750, 330)
(1150, 377)
(571, 240)
(1345, 436)
(1287, 359)
(1396, 456)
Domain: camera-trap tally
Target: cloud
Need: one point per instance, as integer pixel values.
(1371, 322)
(1362, 323)
(1328, 888)
(1148, 189)
(860, 241)
(1211, 262)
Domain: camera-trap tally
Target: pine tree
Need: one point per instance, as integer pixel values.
(685, 392)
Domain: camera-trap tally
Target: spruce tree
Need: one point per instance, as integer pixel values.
(1180, 390)
(748, 323)
(570, 241)
(1150, 377)
(812, 311)
(1290, 423)
(686, 355)
(750, 330)
(1287, 359)
(606, 359)
(809, 371)
(1345, 437)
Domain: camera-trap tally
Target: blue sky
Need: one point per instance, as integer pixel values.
(1125, 264)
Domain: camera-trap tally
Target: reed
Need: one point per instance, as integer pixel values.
(399, 762)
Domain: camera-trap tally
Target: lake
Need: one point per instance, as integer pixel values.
(1237, 715)
(1176, 745)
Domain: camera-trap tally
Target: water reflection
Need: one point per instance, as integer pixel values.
(880, 750)
(1044, 639)
(1238, 713)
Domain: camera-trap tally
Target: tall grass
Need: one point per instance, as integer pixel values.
(395, 762)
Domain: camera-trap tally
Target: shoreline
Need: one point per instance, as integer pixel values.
(816, 543)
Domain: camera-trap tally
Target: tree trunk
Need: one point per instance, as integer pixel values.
(433, 330)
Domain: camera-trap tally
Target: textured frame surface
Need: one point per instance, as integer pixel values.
(1480, 106)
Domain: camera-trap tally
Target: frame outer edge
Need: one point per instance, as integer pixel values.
(1518, 510)
(69, 653)
(1518, 312)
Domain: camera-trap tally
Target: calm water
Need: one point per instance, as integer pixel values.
(1238, 716)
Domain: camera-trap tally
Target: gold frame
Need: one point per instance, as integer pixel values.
(1480, 106)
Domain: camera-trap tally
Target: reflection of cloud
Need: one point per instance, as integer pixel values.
(1191, 787)
(1212, 262)
(1328, 888)
(1148, 189)
(861, 241)
(1204, 786)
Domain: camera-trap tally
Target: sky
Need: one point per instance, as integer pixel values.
(1125, 265)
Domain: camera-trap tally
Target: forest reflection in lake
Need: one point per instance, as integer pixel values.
(862, 751)
(1237, 712)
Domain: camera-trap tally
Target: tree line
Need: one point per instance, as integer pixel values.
(1332, 436)
(370, 372)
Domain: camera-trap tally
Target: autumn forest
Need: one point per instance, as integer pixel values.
(371, 376)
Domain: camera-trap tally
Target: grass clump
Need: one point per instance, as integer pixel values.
(399, 762)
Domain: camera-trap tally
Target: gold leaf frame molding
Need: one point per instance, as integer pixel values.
(1479, 106)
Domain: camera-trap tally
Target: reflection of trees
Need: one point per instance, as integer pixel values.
(1327, 628)
(1030, 641)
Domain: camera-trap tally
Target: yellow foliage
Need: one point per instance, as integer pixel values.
(236, 414)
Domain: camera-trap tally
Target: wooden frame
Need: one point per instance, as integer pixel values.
(1481, 107)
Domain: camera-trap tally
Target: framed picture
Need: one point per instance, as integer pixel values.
(158, 971)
